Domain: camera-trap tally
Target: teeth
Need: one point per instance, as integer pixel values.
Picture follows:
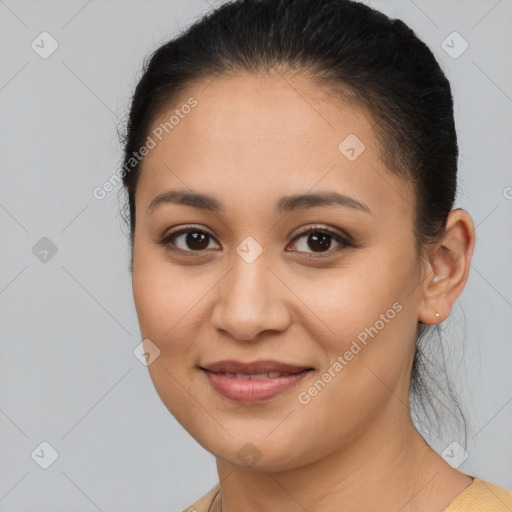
(244, 376)
(259, 376)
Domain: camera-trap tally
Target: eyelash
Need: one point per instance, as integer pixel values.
(343, 240)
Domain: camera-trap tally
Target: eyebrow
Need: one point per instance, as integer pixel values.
(285, 204)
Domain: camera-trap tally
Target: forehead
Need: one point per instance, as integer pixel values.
(267, 134)
(270, 108)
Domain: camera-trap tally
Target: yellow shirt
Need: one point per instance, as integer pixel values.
(479, 496)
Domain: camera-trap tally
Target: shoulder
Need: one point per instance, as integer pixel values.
(486, 496)
(482, 496)
(203, 503)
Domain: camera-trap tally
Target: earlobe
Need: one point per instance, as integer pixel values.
(448, 268)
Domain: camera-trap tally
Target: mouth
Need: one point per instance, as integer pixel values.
(253, 382)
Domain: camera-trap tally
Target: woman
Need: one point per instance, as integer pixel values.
(291, 171)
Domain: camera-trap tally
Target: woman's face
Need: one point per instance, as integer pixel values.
(247, 287)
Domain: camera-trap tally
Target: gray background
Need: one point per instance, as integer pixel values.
(68, 326)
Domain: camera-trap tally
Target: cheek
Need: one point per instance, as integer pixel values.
(166, 301)
(170, 301)
(345, 303)
(365, 329)
(155, 291)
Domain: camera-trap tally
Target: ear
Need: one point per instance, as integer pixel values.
(447, 268)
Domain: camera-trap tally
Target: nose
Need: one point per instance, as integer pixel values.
(250, 300)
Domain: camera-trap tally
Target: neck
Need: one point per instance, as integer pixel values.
(389, 467)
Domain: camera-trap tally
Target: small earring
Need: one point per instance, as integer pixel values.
(437, 315)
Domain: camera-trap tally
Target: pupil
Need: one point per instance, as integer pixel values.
(198, 239)
(321, 241)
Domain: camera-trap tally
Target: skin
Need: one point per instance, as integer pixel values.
(250, 140)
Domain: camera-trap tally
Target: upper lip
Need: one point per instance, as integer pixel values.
(253, 367)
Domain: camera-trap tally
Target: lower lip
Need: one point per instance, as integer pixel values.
(250, 391)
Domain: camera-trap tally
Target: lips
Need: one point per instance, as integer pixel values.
(261, 369)
(254, 388)
(255, 381)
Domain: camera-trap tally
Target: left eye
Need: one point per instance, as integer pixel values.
(319, 241)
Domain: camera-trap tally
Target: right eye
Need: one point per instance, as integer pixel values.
(187, 240)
